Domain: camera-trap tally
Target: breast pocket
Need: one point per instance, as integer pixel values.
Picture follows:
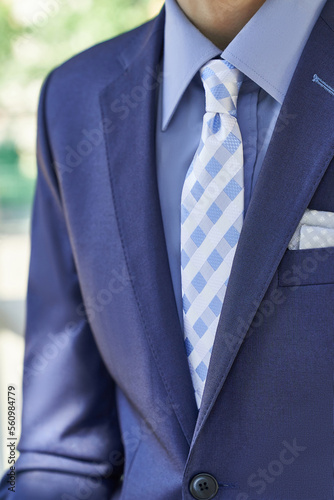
(307, 267)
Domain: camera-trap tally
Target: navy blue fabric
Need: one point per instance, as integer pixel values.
(109, 411)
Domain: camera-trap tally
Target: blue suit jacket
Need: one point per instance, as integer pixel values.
(109, 411)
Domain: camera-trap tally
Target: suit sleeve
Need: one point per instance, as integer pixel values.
(70, 445)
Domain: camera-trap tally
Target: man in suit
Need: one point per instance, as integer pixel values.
(180, 320)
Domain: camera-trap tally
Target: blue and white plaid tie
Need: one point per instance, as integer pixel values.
(212, 208)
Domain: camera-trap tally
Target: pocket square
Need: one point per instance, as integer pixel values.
(315, 230)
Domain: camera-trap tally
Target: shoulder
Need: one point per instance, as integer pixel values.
(84, 75)
(70, 94)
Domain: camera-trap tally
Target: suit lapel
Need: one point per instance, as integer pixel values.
(131, 158)
(300, 151)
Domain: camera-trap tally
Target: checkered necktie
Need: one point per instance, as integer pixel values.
(211, 216)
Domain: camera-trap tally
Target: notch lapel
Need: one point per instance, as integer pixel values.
(298, 156)
(132, 165)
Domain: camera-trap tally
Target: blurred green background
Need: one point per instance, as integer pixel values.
(35, 36)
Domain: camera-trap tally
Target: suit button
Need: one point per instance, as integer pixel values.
(203, 487)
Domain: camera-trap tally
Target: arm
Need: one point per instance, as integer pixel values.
(70, 446)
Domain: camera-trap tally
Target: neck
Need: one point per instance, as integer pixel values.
(220, 20)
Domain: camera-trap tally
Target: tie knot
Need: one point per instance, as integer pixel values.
(222, 82)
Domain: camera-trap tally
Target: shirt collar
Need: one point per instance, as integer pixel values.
(267, 49)
(186, 50)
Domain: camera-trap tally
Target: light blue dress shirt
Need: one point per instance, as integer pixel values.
(267, 51)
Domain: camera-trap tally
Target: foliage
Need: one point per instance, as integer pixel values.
(35, 36)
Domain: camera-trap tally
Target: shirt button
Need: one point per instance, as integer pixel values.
(203, 487)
